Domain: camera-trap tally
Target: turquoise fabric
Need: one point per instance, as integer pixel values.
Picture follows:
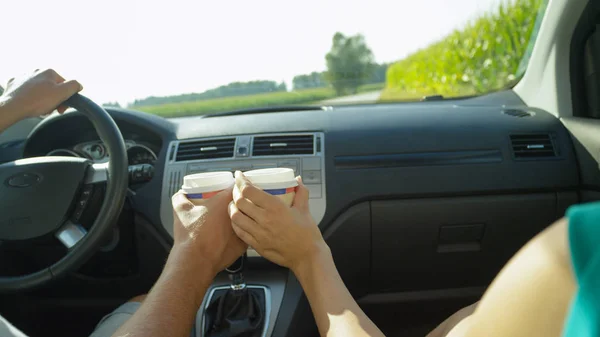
(583, 319)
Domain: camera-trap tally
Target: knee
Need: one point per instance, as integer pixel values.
(139, 298)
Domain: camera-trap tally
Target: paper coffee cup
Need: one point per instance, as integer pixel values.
(280, 182)
(201, 186)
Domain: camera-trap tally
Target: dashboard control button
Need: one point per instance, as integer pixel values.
(311, 163)
(314, 191)
(292, 164)
(318, 145)
(242, 151)
(140, 173)
(146, 171)
(137, 174)
(86, 193)
(287, 163)
(149, 173)
(172, 154)
(77, 214)
(311, 176)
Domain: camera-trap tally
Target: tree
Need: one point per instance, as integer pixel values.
(228, 90)
(312, 80)
(349, 63)
(112, 105)
(282, 86)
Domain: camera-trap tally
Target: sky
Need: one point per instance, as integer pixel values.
(121, 50)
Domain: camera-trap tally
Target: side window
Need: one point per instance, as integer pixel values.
(592, 74)
(585, 64)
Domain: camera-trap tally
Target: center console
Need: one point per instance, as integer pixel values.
(302, 152)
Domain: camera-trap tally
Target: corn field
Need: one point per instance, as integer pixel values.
(487, 54)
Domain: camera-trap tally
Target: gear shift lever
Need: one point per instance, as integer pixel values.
(238, 311)
(236, 273)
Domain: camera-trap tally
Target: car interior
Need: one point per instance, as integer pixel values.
(421, 203)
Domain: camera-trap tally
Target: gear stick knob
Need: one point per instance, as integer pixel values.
(236, 273)
(239, 311)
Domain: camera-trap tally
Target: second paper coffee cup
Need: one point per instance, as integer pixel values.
(280, 182)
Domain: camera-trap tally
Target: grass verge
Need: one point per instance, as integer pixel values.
(202, 107)
(487, 54)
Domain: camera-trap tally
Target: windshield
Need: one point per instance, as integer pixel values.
(189, 57)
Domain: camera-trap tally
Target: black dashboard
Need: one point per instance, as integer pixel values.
(406, 190)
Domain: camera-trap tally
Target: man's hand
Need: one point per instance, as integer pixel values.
(284, 235)
(38, 95)
(204, 232)
(204, 245)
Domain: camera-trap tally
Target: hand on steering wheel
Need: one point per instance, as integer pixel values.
(39, 94)
(37, 194)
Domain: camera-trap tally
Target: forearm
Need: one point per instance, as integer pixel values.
(335, 311)
(171, 306)
(7, 116)
(539, 279)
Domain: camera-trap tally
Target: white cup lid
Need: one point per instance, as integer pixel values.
(272, 178)
(207, 182)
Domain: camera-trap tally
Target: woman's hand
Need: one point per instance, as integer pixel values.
(287, 236)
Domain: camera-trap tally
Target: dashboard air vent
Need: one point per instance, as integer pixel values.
(532, 146)
(517, 113)
(205, 149)
(283, 145)
(175, 181)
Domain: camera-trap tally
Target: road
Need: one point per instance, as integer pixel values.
(367, 97)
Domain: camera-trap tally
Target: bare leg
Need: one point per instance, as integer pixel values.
(446, 326)
(139, 298)
(113, 321)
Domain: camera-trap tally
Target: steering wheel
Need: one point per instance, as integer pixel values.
(38, 197)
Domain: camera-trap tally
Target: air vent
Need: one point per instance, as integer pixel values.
(283, 145)
(205, 149)
(175, 182)
(517, 113)
(532, 146)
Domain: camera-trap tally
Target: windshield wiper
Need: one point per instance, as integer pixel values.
(432, 98)
(269, 109)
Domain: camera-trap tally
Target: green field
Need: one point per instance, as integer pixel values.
(485, 55)
(239, 102)
(201, 107)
